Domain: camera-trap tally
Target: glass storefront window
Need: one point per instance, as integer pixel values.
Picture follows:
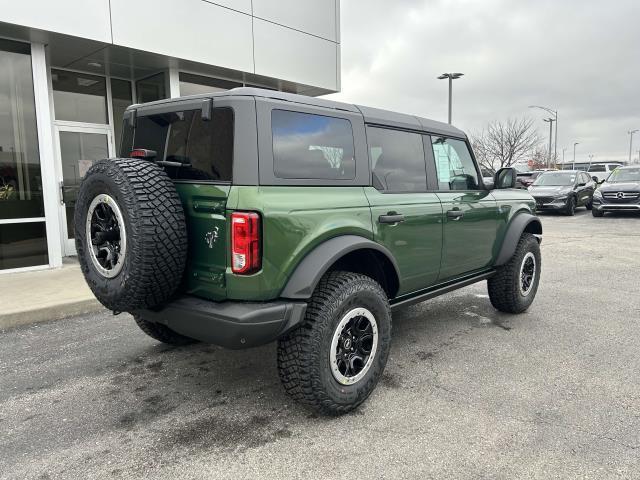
(151, 88)
(79, 97)
(21, 244)
(195, 84)
(121, 98)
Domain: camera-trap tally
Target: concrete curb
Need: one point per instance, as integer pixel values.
(49, 313)
(44, 295)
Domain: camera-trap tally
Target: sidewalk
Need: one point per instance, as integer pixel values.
(44, 295)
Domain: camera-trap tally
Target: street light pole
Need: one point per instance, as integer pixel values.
(591, 155)
(550, 120)
(563, 150)
(574, 154)
(451, 77)
(631, 132)
(555, 119)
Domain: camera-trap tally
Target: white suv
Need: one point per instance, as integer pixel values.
(602, 170)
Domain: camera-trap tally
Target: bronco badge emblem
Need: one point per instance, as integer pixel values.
(211, 237)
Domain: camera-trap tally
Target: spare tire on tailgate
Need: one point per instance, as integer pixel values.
(130, 234)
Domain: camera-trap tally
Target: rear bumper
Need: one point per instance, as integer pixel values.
(228, 324)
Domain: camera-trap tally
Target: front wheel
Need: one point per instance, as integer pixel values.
(597, 213)
(571, 206)
(334, 359)
(515, 284)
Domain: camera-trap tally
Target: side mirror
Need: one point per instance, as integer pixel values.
(505, 178)
(595, 179)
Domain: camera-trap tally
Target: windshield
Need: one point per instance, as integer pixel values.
(620, 175)
(555, 179)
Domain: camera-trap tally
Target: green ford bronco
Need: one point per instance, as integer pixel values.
(248, 216)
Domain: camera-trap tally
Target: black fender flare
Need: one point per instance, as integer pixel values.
(315, 264)
(518, 225)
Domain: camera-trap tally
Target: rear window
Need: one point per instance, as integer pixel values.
(397, 160)
(308, 146)
(202, 149)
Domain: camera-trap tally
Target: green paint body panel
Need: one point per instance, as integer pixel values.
(468, 241)
(415, 243)
(205, 211)
(429, 247)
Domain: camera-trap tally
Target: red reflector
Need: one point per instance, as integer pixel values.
(143, 153)
(245, 243)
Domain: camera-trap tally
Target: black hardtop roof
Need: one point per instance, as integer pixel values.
(371, 115)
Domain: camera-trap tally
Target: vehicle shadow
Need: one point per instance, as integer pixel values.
(168, 402)
(204, 381)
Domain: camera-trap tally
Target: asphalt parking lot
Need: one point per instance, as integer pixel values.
(467, 393)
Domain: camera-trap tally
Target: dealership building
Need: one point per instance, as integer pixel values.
(69, 68)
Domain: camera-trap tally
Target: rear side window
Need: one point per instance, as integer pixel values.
(397, 160)
(309, 146)
(200, 149)
(456, 169)
(597, 168)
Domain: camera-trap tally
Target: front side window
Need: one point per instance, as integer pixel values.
(397, 160)
(456, 169)
(202, 149)
(309, 146)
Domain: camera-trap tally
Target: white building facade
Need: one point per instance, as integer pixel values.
(69, 68)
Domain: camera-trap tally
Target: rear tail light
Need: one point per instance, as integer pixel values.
(245, 243)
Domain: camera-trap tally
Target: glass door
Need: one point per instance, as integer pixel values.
(79, 148)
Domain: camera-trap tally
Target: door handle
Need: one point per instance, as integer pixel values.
(455, 214)
(391, 217)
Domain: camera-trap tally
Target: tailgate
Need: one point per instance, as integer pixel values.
(204, 207)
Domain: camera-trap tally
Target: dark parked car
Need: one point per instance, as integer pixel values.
(619, 193)
(563, 191)
(526, 179)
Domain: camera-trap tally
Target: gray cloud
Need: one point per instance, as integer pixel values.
(580, 57)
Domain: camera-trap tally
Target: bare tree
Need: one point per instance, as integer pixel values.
(504, 143)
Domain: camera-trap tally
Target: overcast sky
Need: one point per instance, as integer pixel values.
(581, 57)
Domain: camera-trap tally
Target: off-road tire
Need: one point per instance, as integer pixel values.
(162, 333)
(597, 213)
(570, 209)
(303, 354)
(156, 234)
(504, 286)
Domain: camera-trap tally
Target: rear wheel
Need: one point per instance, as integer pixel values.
(514, 286)
(162, 333)
(334, 359)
